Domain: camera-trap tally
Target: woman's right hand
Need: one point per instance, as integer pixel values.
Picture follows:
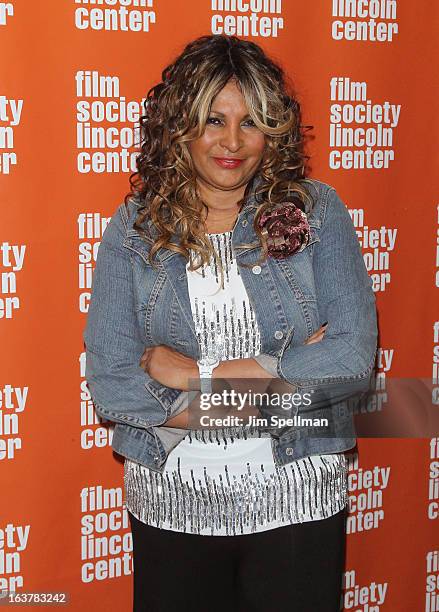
(318, 335)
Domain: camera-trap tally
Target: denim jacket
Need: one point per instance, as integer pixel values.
(134, 305)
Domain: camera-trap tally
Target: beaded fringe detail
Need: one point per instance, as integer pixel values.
(227, 505)
(225, 435)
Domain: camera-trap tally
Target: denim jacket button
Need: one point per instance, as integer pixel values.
(156, 458)
(256, 269)
(278, 334)
(289, 450)
(244, 223)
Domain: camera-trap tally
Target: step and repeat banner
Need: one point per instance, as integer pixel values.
(73, 76)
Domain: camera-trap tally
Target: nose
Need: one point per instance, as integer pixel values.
(231, 138)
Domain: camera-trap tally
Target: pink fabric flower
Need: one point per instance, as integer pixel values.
(286, 229)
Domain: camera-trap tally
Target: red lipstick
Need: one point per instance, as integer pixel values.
(228, 162)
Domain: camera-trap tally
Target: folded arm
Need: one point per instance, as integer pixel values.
(121, 390)
(346, 300)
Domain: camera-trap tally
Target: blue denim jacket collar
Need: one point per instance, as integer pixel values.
(243, 230)
(242, 233)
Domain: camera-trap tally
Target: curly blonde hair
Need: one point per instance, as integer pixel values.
(176, 111)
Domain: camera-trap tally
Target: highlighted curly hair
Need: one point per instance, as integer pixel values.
(176, 111)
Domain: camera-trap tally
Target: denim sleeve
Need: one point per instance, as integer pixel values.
(345, 299)
(121, 390)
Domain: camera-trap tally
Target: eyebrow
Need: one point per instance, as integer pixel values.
(222, 114)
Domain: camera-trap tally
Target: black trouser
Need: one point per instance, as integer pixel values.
(296, 568)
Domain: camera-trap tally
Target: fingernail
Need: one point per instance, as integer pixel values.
(325, 323)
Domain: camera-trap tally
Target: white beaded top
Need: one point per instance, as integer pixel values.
(225, 482)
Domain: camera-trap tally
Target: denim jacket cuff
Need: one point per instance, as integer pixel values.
(170, 437)
(268, 362)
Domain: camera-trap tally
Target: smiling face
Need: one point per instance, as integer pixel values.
(230, 134)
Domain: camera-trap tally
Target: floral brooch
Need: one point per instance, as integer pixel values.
(286, 230)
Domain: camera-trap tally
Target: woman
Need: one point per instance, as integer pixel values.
(217, 272)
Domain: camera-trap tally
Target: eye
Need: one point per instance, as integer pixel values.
(212, 119)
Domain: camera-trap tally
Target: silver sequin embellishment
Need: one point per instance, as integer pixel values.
(231, 496)
(228, 505)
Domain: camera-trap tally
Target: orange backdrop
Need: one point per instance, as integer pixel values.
(69, 67)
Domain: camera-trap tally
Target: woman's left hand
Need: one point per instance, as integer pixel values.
(169, 367)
